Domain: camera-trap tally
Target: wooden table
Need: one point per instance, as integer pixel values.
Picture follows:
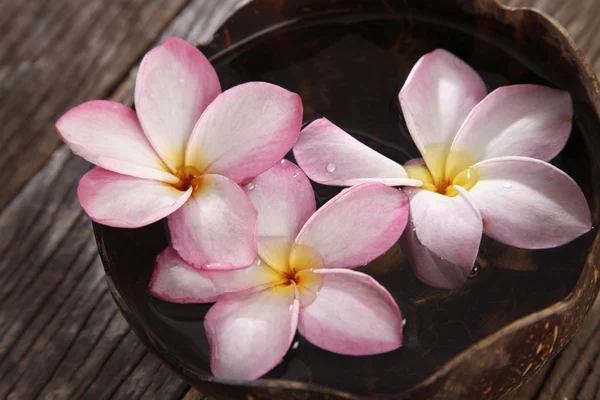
(61, 336)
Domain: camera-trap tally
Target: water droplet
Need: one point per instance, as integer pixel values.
(296, 174)
(291, 307)
(506, 185)
(217, 265)
(282, 161)
(295, 345)
(474, 272)
(251, 186)
(330, 168)
(403, 321)
(267, 104)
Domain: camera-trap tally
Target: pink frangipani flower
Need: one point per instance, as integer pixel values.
(301, 279)
(484, 168)
(183, 154)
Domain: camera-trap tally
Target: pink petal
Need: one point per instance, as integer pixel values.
(428, 267)
(436, 98)
(450, 228)
(255, 277)
(250, 334)
(284, 200)
(529, 203)
(357, 225)
(520, 120)
(174, 86)
(109, 135)
(216, 228)
(352, 314)
(127, 202)
(331, 156)
(245, 131)
(176, 281)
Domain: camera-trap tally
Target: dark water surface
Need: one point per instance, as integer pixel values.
(350, 69)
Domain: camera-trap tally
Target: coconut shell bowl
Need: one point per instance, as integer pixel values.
(348, 59)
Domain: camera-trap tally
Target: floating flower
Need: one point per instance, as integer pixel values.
(484, 167)
(183, 153)
(302, 278)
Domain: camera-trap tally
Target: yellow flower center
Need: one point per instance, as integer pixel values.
(188, 177)
(444, 170)
(297, 272)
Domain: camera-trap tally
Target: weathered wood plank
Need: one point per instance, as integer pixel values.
(60, 333)
(53, 300)
(56, 54)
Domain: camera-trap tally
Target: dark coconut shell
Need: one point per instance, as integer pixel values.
(490, 367)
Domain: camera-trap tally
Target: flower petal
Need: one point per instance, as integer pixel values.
(352, 314)
(428, 267)
(284, 200)
(250, 334)
(450, 228)
(216, 228)
(176, 281)
(331, 156)
(520, 120)
(127, 202)
(356, 226)
(255, 277)
(529, 203)
(109, 135)
(437, 96)
(174, 86)
(245, 131)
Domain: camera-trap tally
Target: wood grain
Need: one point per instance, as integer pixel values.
(56, 54)
(61, 335)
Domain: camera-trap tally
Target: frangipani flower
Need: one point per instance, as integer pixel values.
(182, 153)
(302, 278)
(484, 167)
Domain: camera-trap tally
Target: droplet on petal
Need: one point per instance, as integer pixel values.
(217, 266)
(295, 345)
(330, 168)
(266, 106)
(403, 322)
(506, 185)
(251, 186)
